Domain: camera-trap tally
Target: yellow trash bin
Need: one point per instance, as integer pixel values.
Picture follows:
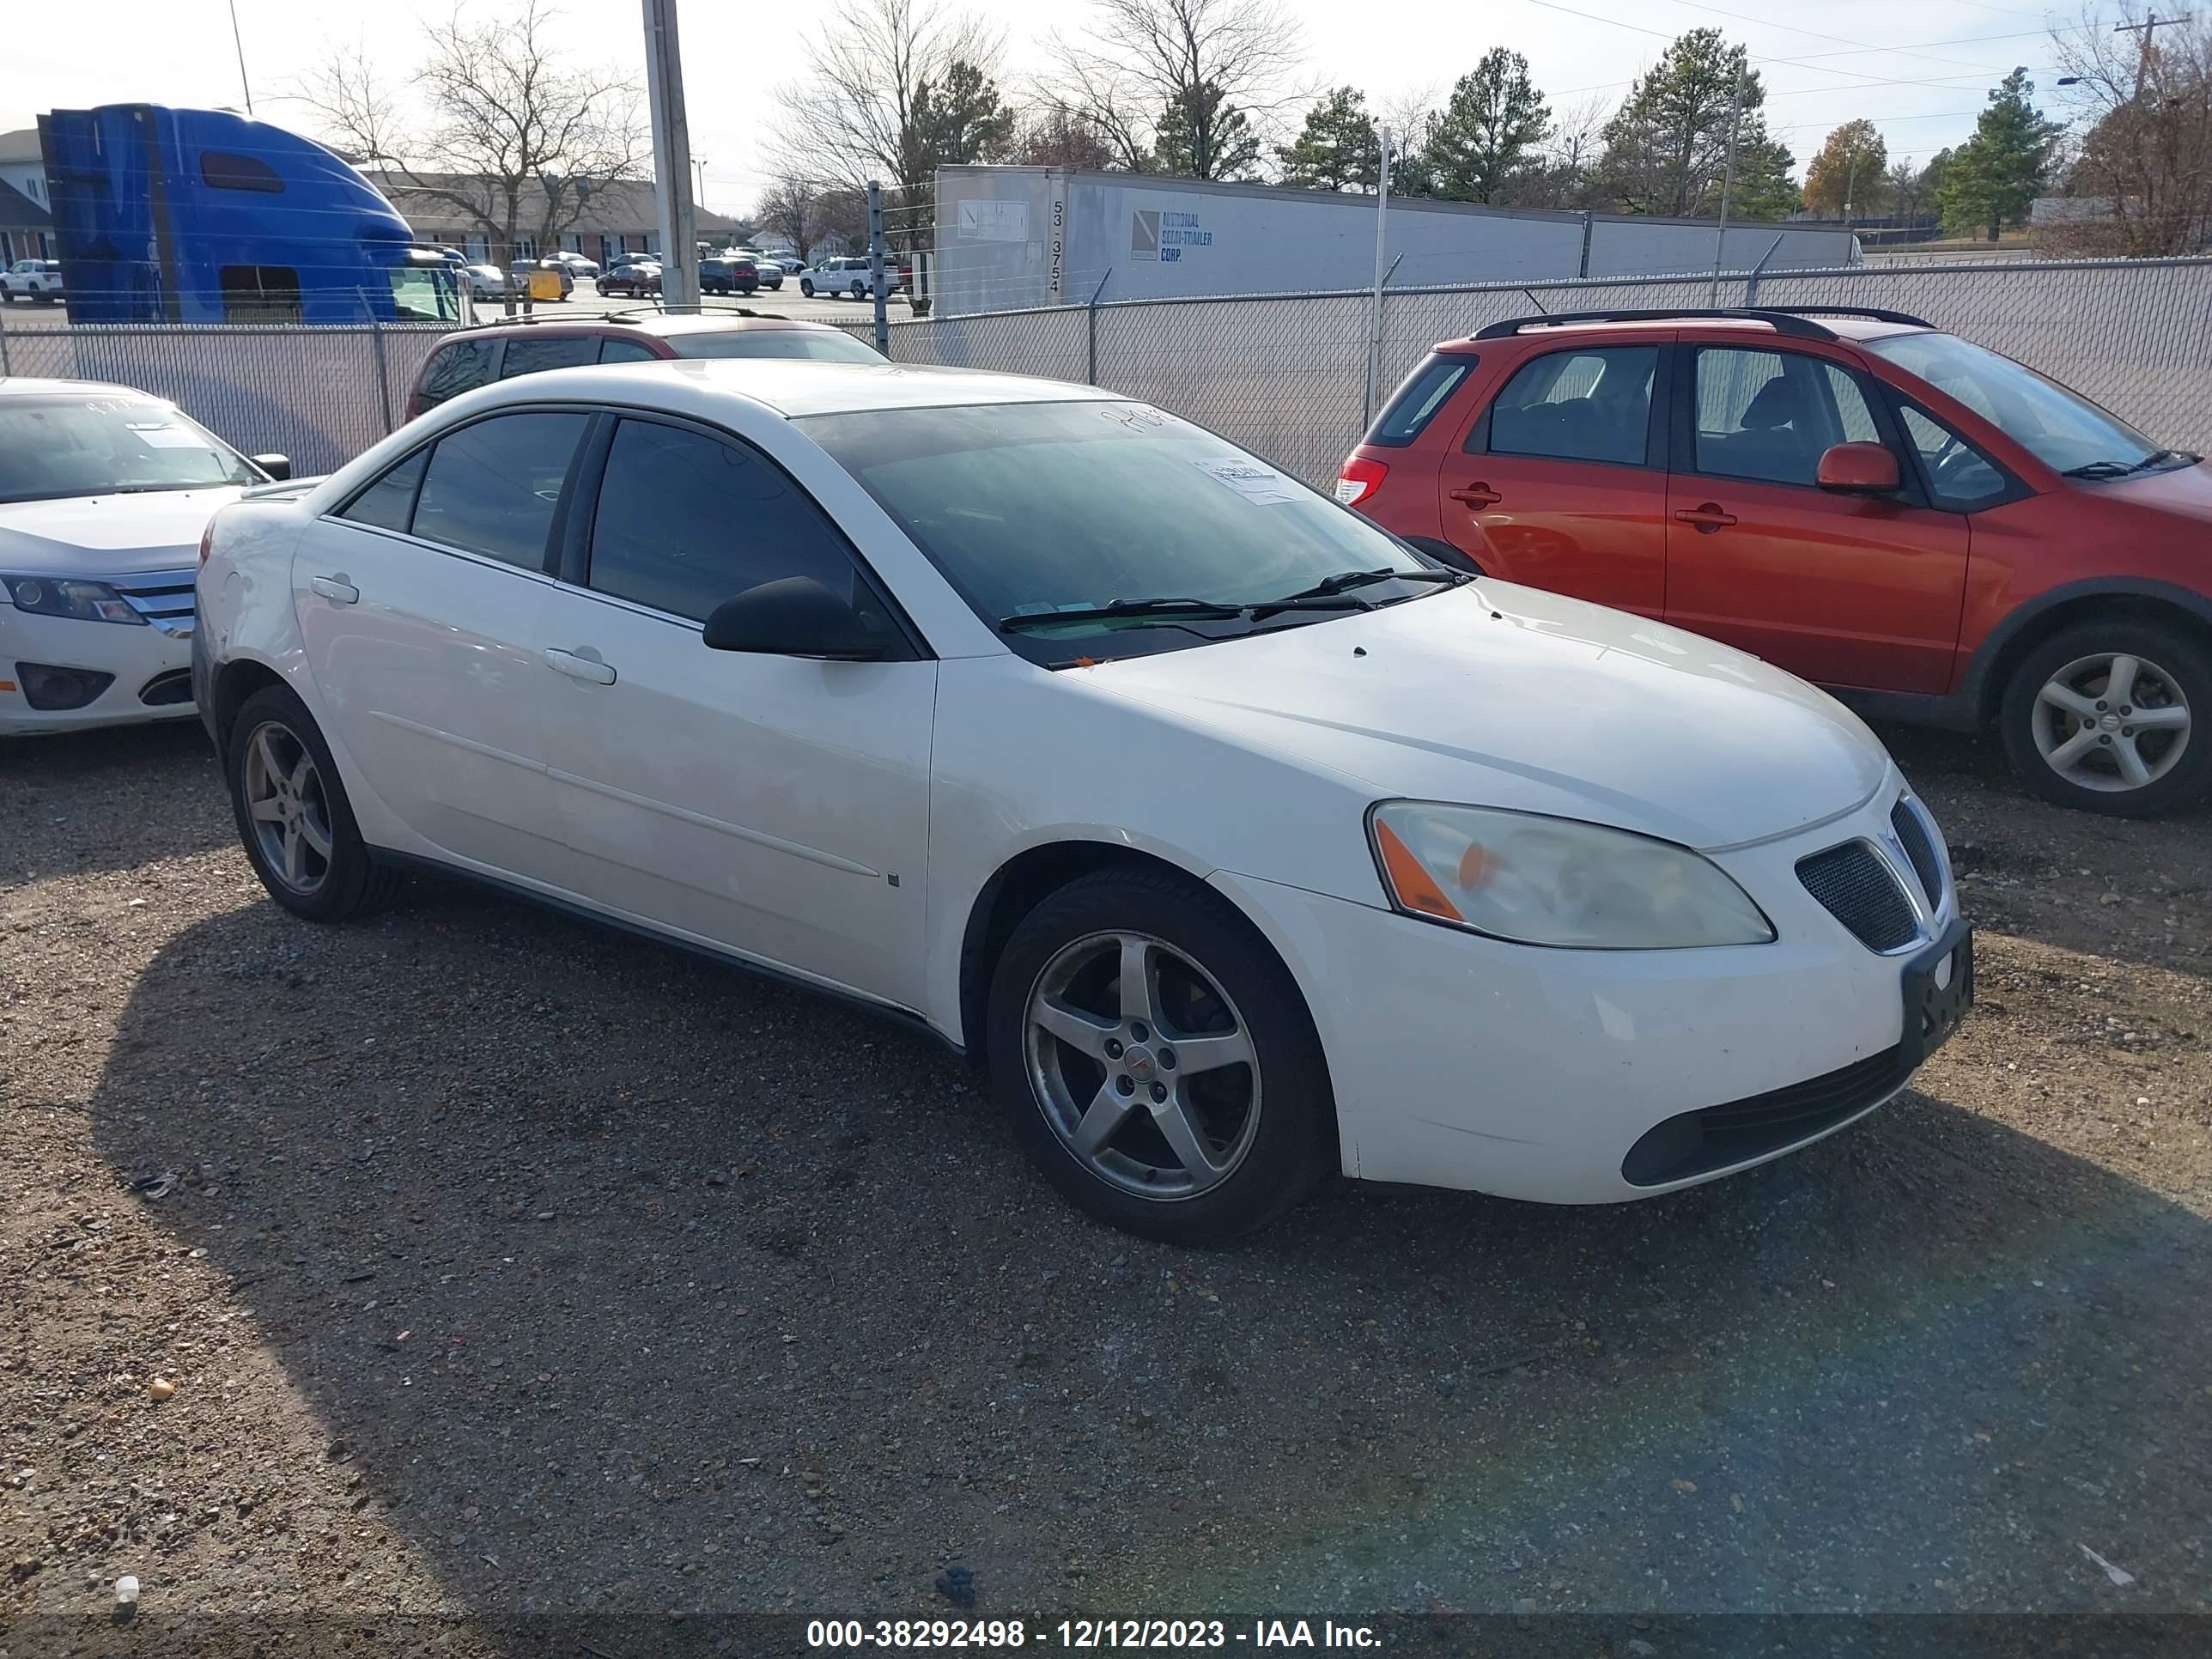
(544, 285)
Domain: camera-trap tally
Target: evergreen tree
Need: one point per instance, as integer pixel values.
(1339, 148)
(1666, 149)
(1994, 177)
(1203, 136)
(1490, 128)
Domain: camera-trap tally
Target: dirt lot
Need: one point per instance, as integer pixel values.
(502, 1264)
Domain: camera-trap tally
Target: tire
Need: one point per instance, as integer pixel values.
(2055, 699)
(806, 286)
(1266, 1122)
(859, 290)
(350, 882)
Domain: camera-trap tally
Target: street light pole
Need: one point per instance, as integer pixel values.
(1728, 175)
(671, 155)
(238, 41)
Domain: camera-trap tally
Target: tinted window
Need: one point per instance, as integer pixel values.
(228, 172)
(492, 487)
(259, 294)
(388, 502)
(529, 356)
(456, 369)
(825, 345)
(1592, 406)
(1769, 415)
(625, 351)
(1960, 476)
(1425, 392)
(686, 521)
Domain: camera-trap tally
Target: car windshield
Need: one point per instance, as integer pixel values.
(56, 446)
(2061, 429)
(826, 346)
(1038, 512)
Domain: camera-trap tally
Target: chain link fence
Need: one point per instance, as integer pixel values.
(1284, 375)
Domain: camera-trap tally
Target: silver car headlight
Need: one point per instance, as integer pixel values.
(71, 597)
(1539, 880)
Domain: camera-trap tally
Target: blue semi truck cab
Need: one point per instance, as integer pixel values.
(186, 215)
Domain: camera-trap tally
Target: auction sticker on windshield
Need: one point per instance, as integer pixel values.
(1248, 479)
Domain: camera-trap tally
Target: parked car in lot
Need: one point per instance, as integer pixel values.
(1927, 527)
(104, 494)
(1244, 841)
(469, 358)
(727, 276)
(581, 267)
(634, 278)
(484, 282)
(842, 279)
(766, 271)
(32, 279)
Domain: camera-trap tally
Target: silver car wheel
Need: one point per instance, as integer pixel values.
(1143, 1066)
(284, 802)
(2112, 722)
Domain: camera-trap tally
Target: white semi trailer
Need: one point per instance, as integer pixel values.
(1010, 237)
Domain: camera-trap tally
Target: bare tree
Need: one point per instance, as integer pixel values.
(895, 89)
(1184, 83)
(510, 136)
(793, 206)
(2140, 169)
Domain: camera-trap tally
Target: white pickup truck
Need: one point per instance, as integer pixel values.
(32, 279)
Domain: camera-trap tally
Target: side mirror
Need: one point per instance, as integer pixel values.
(1857, 470)
(797, 617)
(278, 467)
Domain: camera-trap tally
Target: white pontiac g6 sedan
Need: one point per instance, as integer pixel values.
(1244, 841)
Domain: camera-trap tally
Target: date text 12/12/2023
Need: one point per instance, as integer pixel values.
(1087, 1634)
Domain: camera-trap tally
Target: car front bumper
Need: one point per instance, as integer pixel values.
(1585, 1077)
(144, 660)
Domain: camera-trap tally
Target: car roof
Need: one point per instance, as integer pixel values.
(28, 385)
(662, 324)
(795, 386)
(1835, 326)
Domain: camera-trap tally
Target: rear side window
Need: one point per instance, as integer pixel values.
(532, 357)
(223, 171)
(1587, 405)
(462, 366)
(389, 501)
(492, 487)
(1425, 391)
(686, 521)
(625, 351)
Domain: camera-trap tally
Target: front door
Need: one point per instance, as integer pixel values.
(1846, 590)
(420, 603)
(775, 806)
(1560, 481)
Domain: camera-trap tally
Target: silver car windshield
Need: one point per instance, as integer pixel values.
(93, 444)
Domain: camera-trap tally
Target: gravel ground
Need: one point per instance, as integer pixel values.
(504, 1265)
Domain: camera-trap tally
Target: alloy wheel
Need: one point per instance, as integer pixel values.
(1143, 1066)
(287, 807)
(2111, 722)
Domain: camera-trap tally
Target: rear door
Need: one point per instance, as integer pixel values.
(1560, 481)
(1846, 590)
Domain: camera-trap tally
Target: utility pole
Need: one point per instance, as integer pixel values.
(1728, 176)
(2149, 27)
(876, 265)
(1375, 317)
(699, 172)
(239, 41)
(672, 157)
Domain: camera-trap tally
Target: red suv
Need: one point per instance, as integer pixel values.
(471, 357)
(1927, 528)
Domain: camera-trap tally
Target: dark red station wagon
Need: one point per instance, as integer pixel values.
(1929, 529)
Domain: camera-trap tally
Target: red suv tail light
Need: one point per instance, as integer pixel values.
(1359, 479)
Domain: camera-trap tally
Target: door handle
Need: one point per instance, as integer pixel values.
(1707, 516)
(577, 666)
(1477, 495)
(337, 589)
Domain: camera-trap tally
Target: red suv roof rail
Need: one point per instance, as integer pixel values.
(1790, 320)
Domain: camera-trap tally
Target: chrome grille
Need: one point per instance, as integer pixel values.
(164, 599)
(1916, 835)
(1854, 885)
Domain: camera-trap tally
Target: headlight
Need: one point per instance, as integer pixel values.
(67, 596)
(1554, 881)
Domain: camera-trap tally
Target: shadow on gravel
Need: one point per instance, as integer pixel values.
(160, 795)
(663, 1290)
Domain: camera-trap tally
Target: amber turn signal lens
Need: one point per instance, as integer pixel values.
(1412, 883)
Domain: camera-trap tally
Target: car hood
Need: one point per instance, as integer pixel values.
(2185, 491)
(108, 535)
(1495, 695)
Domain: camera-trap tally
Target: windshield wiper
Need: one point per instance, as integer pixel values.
(2099, 470)
(1345, 581)
(2160, 458)
(1202, 610)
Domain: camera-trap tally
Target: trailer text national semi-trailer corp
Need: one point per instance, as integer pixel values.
(1010, 237)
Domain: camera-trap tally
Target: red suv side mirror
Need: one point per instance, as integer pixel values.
(1857, 470)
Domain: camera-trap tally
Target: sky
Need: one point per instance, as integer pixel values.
(1923, 90)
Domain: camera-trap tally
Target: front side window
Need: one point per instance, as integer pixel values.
(686, 521)
(1588, 406)
(1770, 415)
(1037, 509)
(52, 447)
(534, 356)
(462, 366)
(821, 345)
(492, 487)
(1960, 478)
(424, 293)
(2061, 429)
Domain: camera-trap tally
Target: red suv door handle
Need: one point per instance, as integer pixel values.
(1707, 516)
(1477, 495)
